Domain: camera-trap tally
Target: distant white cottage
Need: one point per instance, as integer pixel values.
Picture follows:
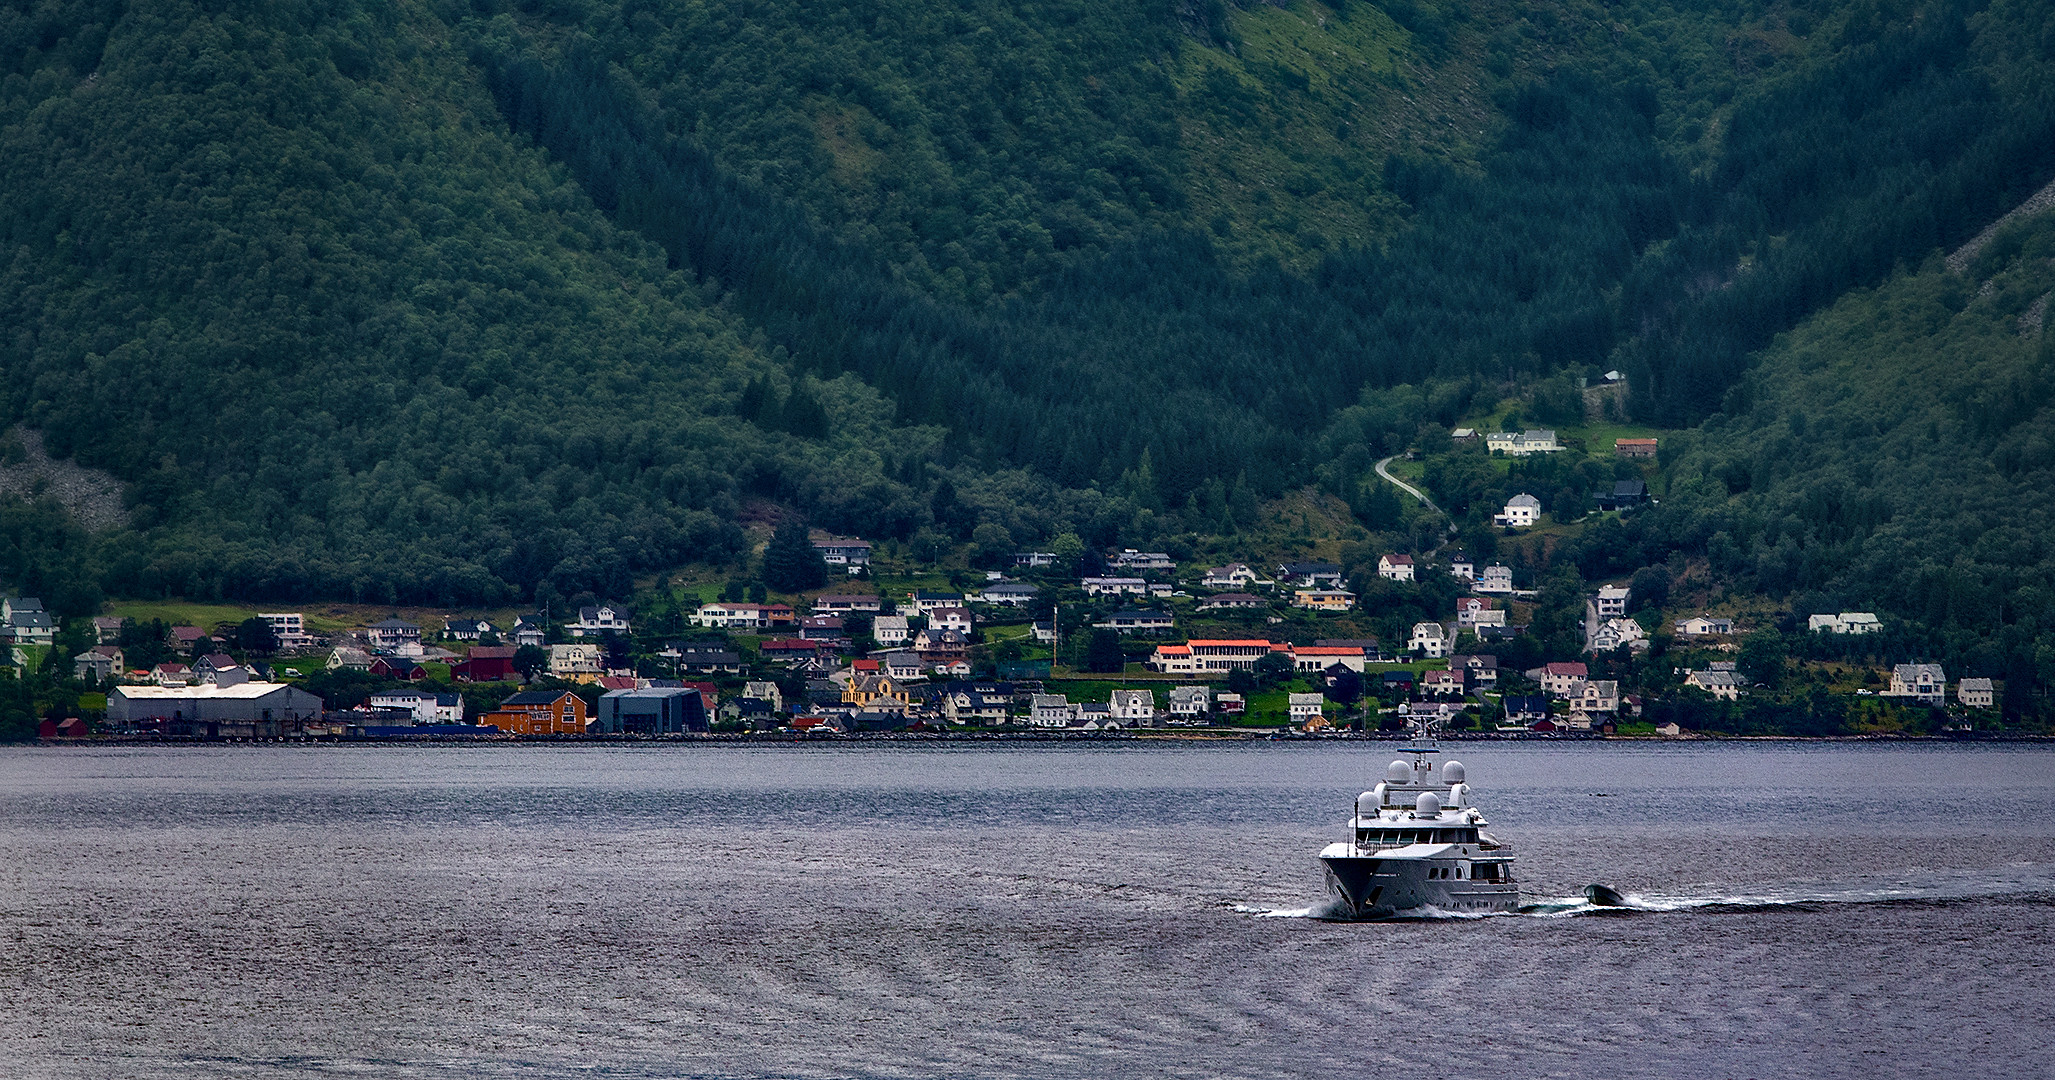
(1521, 512)
(1847, 622)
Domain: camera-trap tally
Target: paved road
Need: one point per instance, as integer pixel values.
(1405, 487)
(1413, 491)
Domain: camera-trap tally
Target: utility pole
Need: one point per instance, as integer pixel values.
(1055, 636)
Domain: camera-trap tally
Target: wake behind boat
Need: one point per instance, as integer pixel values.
(1417, 846)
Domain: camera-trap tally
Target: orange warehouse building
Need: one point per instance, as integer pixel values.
(540, 712)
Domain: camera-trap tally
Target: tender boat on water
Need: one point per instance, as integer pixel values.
(1417, 846)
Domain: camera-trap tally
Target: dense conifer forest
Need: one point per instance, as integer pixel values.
(445, 301)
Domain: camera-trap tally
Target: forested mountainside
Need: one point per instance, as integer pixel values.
(443, 301)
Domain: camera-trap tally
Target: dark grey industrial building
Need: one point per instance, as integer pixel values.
(654, 710)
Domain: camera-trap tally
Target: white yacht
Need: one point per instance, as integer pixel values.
(1416, 845)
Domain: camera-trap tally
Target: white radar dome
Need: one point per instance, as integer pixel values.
(1398, 772)
(1428, 805)
(1367, 803)
(1452, 772)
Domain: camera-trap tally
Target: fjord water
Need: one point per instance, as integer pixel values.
(1010, 910)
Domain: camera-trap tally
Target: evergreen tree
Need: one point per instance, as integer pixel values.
(790, 563)
(1104, 653)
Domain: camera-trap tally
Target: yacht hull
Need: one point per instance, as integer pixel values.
(1368, 887)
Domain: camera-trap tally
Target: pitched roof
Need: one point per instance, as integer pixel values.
(536, 697)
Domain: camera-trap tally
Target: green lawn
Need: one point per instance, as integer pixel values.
(182, 613)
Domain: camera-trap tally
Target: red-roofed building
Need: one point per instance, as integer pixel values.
(398, 667)
(790, 649)
(1558, 679)
(1443, 683)
(487, 663)
(1204, 656)
(1173, 660)
(1322, 657)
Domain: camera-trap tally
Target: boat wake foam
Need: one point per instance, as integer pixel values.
(2018, 881)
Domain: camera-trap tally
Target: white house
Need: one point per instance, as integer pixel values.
(1233, 601)
(1313, 658)
(1704, 626)
(1231, 576)
(1305, 708)
(766, 691)
(427, 708)
(530, 630)
(1429, 639)
(1847, 622)
(1479, 670)
(1611, 600)
(1050, 711)
(1976, 693)
(346, 656)
(950, 618)
(1462, 567)
(1475, 611)
(904, 667)
(843, 550)
(848, 604)
(1595, 696)
(734, 616)
(98, 664)
(1496, 580)
(1921, 682)
(1310, 575)
(1395, 567)
(571, 661)
(600, 619)
(1009, 593)
(1190, 703)
(1522, 443)
(1134, 707)
(890, 630)
(1138, 621)
(1132, 560)
(289, 627)
(1115, 586)
(924, 602)
(466, 629)
(1521, 512)
(1609, 634)
(1558, 678)
(1725, 685)
(393, 633)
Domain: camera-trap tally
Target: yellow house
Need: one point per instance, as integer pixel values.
(1324, 599)
(875, 692)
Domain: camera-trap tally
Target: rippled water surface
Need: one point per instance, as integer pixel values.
(1011, 911)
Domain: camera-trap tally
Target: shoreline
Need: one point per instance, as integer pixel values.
(1180, 737)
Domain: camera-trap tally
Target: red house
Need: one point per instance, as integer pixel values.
(398, 667)
(70, 727)
(487, 663)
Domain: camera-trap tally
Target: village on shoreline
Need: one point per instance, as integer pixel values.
(1058, 644)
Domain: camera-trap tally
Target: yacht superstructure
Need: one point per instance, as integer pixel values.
(1417, 846)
